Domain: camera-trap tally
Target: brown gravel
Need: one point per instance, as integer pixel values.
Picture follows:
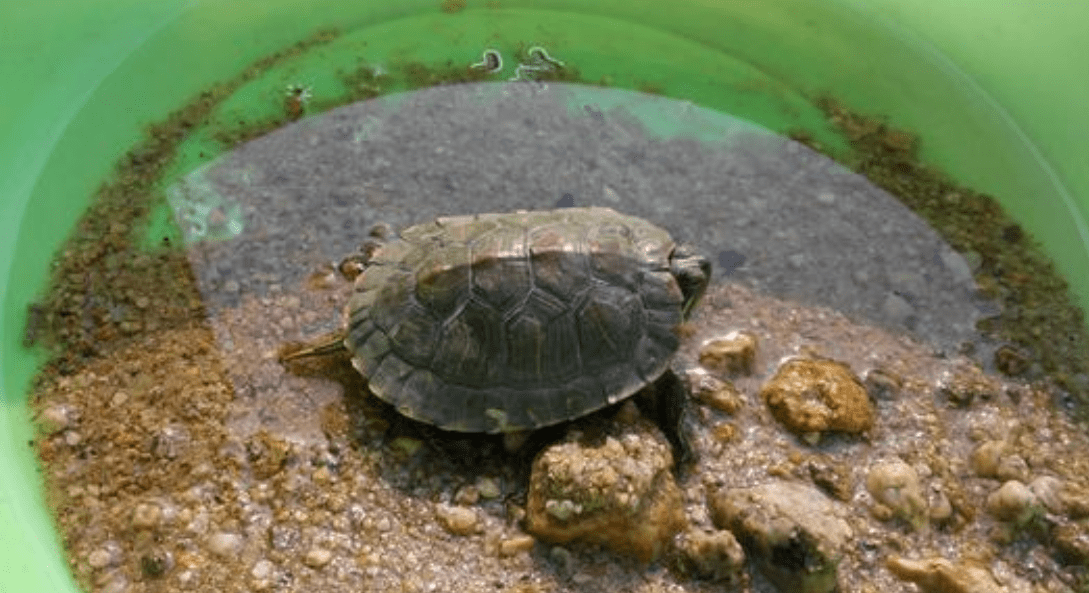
(161, 474)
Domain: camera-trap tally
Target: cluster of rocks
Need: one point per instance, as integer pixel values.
(618, 490)
(810, 478)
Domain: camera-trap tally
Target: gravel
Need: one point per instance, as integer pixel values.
(270, 481)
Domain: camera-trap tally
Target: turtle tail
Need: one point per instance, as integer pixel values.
(326, 345)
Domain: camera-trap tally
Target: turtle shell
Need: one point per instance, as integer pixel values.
(504, 322)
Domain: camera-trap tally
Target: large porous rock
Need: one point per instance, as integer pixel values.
(812, 396)
(795, 533)
(938, 575)
(616, 490)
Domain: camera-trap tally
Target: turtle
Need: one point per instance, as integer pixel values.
(516, 321)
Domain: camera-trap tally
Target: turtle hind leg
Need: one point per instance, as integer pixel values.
(666, 403)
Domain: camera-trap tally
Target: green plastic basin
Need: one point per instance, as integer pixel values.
(995, 89)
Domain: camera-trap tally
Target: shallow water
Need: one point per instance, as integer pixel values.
(273, 481)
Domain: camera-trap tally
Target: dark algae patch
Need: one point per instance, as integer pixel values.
(1042, 328)
(105, 287)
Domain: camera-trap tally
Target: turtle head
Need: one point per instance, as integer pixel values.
(693, 272)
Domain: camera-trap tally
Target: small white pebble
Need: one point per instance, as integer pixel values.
(119, 398)
(54, 419)
(384, 525)
(262, 569)
(99, 558)
(317, 557)
(72, 438)
(224, 543)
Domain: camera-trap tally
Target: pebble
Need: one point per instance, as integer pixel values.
(783, 522)
(118, 584)
(1048, 491)
(1012, 467)
(317, 557)
(72, 438)
(467, 495)
(964, 385)
(832, 477)
(99, 558)
(620, 493)
(156, 562)
(895, 484)
(488, 488)
(1013, 502)
(384, 525)
(224, 543)
(54, 419)
(119, 398)
(716, 393)
(986, 457)
(1011, 360)
(714, 555)
(897, 309)
(816, 395)
(1071, 541)
(457, 520)
(516, 545)
(882, 384)
(938, 575)
(262, 569)
(146, 515)
(941, 508)
(733, 354)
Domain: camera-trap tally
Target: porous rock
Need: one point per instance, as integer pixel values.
(938, 575)
(733, 354)
(794, 532)
(616, 490)
(713, 555)
(817, 395)
(714, 392)
(966, 384)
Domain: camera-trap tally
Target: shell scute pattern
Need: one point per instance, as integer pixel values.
(500, 322)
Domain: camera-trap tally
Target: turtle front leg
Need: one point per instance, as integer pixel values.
(667, 403)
